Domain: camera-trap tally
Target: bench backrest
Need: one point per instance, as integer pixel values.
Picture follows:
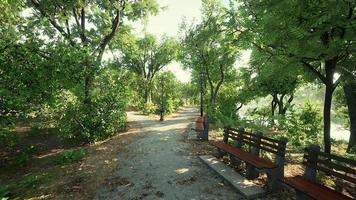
(329, 164)
(257, 141)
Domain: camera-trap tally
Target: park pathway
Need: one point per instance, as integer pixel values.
(157, 165)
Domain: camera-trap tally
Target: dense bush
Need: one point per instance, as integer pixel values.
(173, 96)
(148, 108)
(101, 118)
(303, 127)
(173, 104)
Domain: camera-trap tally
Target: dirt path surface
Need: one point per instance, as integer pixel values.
(157, 165)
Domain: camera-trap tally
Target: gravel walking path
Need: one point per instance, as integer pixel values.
(157, 165)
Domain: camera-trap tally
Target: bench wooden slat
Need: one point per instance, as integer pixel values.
(315, 190)
(332, 165)
(255, 139)
(336, 174)
(251, 134)
(254, 160)
(259, 146)
(236, 131)
(251, 141)
(325, 165)
(338, 158)
(337, 166)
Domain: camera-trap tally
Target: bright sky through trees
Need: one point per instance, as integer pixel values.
(167, 22)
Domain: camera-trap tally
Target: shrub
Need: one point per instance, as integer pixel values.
(148, 108)
(7, 138)
(302, 127)
(102, 117)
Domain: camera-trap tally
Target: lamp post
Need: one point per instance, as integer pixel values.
(201, 93)
(162, 100)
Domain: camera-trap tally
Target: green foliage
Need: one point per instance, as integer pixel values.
(103, 117)
(146, 57)
(31, 179)
(25, 155)
(340, 108)
(4, 193)
(303, 127)
(319, 35)
(70, 156)
(260, 116)
(148, 108)
(173, 105)
(7, 138)
(172, 92)
(209, 48)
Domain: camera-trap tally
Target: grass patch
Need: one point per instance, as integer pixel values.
(70, 156)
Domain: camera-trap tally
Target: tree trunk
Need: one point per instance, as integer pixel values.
(273, 108)
(212, 103)
(87, 89)
(327, 121)
(350, 94)
(147, 94)
(329, 89)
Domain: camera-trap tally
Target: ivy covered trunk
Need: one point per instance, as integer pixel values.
(350, 94)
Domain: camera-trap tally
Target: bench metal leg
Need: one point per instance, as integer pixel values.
(235, 160)
(273, 180)
(221, 153)
(251, 172)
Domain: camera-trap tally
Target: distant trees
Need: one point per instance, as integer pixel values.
(208, 48)
(146, 57)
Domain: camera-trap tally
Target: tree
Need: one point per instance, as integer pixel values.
(208, 48)
(89, 25)
(320, 35)
(146, 57)
(275, 77)
(172, 92)
(350, 96)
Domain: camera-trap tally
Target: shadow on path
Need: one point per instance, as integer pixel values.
(157, 165)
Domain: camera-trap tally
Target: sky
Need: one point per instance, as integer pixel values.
(167, 23)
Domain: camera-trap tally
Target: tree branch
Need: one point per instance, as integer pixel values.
(54, 23)
(114, 28)
(314, 71)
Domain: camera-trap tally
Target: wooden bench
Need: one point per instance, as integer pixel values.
(315, 161)
(254, 163)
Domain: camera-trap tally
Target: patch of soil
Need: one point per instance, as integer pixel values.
(77, 180)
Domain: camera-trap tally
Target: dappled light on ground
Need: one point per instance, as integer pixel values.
(157, 164)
